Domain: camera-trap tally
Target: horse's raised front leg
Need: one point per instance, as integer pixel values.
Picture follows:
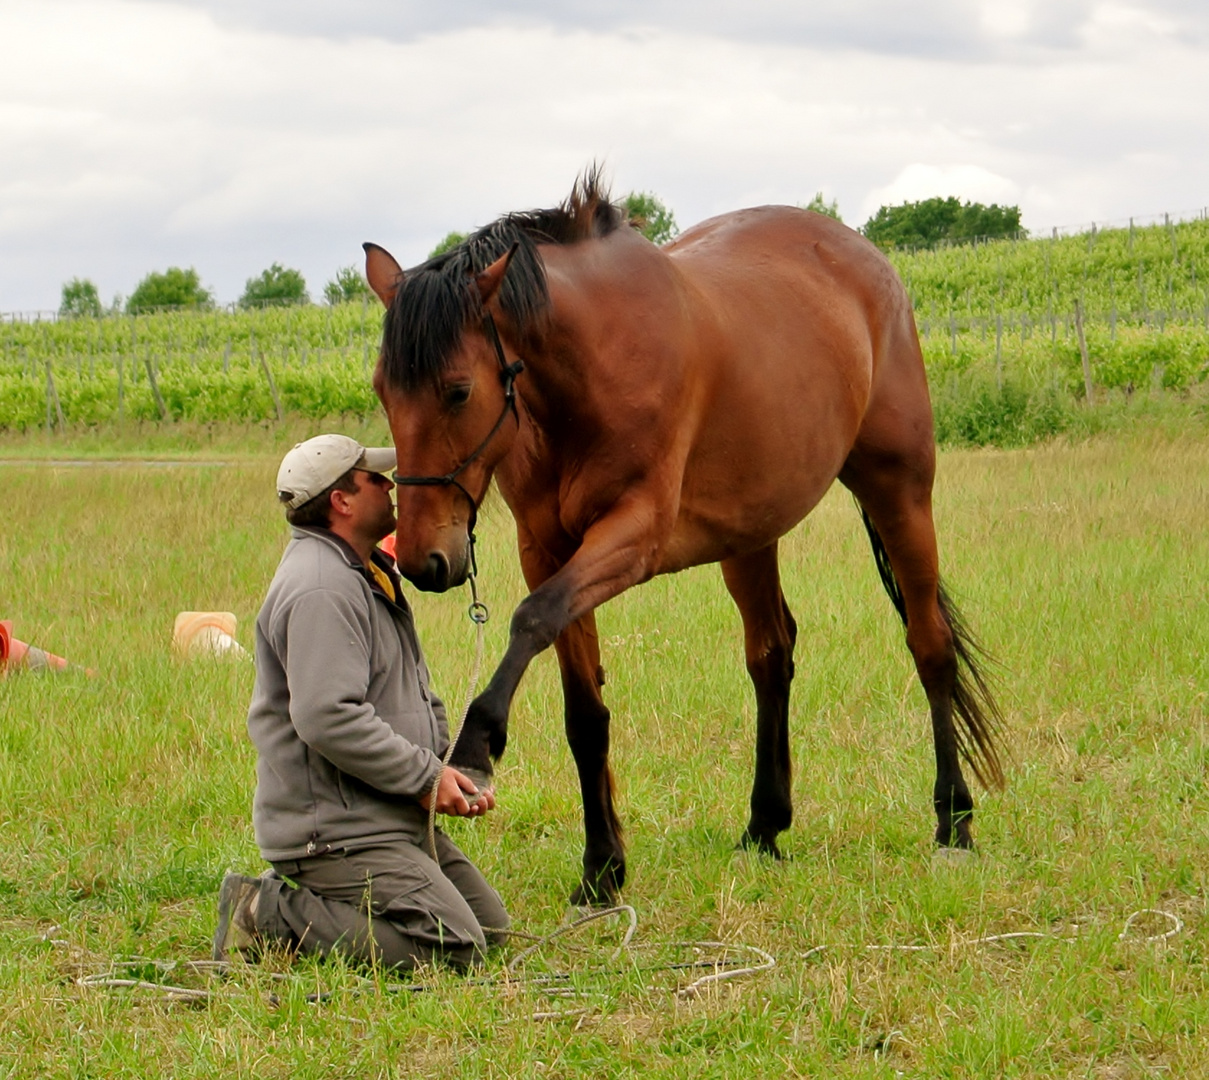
(769, 633)
(618, 551)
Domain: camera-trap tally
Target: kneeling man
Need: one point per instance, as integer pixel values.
(349, 739)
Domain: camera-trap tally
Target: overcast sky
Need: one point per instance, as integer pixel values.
(229, 134)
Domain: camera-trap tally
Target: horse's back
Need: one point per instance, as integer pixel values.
(800, 326)
(828, 307)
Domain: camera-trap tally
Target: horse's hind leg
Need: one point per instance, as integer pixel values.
(769, 633)
(895, 494)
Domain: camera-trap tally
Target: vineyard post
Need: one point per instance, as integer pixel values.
(272, 385)
(999, 351)
(1087, 384)
(155, 390)
(52, 395)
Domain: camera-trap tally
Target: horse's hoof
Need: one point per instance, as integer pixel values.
(762, 845)
(954, 856)
(586, 900)
(481, 780)
(600, 890)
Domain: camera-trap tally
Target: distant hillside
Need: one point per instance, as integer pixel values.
(997, 321)
(1145, 274)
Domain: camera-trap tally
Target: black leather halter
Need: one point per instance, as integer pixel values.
(508, 374)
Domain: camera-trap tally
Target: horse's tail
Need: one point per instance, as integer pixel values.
(972, 698)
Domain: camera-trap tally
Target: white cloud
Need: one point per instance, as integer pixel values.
(139, 135)
(970, 183)
(1006, 18)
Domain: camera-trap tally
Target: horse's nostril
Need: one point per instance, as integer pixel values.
(437, 572)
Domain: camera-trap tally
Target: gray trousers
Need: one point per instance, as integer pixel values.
(390, 904)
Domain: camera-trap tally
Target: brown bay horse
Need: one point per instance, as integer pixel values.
(647, 409)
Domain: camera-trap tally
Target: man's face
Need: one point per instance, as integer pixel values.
(373, 511)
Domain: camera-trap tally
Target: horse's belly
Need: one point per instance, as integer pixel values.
(745, 498)
(705, 534)
(767, 448)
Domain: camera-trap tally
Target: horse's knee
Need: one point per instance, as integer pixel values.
(586, 722)
(773, 665)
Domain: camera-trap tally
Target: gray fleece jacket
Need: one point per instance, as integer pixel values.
(348, 734)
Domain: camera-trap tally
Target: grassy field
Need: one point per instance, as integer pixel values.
(124, 798)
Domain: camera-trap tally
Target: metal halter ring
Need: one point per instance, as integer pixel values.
(478, 612)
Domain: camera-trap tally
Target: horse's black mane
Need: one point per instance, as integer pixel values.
(438, 299)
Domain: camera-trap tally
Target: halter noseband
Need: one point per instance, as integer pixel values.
(508, 374)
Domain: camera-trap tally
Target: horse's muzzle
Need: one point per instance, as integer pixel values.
(438, 575)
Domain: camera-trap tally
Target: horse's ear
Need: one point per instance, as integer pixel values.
(490, 280)
(382, 272)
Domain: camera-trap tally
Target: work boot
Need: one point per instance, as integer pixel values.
(237, 936)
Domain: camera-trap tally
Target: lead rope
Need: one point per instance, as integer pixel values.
(479, 615)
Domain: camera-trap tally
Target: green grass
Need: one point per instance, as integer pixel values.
(124, 798)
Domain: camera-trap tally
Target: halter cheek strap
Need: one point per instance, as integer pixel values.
(508, 374)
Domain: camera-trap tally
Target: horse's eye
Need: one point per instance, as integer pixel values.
(457, 396)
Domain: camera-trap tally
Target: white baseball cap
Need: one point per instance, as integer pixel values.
(316, 464)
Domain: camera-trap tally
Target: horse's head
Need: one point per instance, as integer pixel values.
(447, 388)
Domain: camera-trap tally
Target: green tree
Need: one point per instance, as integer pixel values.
(348, 284)
(820, 206)
(654, 220)
(448, 244)
(932, 221)
(80, 297)
(173, 288)
(277, 286)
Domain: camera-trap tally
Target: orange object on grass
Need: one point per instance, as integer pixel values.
(15, 653)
